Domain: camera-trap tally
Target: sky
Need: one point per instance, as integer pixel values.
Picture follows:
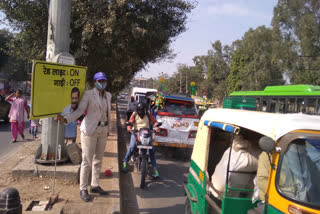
(211, 20)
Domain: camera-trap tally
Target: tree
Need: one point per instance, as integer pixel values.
(238, 65)
(8, 64)
(217, 71)
(5, 37)
(118, 37)
(187, 74)
(252, 67)
(200, 67)
(296, 25)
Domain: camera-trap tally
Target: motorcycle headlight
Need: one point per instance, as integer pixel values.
(145, 141)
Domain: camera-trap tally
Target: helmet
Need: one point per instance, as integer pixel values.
(141, 109)
(100, 76)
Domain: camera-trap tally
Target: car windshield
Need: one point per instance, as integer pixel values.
(178, 107)
(300, 172)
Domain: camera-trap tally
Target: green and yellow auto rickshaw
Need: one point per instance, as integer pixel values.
(291, 145)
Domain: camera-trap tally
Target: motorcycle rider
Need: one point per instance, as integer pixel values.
(140, 118)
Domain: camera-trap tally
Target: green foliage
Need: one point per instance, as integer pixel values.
(252, 67)
(238, 64)
(217, 71)
(117, 37)
(296, 25)
(5, 37)
(9, 64)
(188, 74)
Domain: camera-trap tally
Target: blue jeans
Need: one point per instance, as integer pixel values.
(132, 147)
(34, 131)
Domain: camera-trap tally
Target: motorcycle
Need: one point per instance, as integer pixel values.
(141, 155)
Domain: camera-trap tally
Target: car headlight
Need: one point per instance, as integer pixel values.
(192, 134)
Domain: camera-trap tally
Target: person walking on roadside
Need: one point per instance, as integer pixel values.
(132, 105)
(141, 118)
(16, 114)
(94, 132)
(71, 128)
(34, 124)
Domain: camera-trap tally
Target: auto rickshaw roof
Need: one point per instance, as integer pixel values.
(273, 125)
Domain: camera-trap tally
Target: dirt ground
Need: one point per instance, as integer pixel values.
(40, 188)
(33, 188)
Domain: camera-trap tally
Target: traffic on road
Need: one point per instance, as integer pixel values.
(160, 106)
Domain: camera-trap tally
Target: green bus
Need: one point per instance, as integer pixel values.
(284, 99)
(246, 103)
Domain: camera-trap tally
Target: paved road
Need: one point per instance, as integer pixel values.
(6, 147)
(165, 195)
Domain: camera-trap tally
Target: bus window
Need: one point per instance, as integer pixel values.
(311, 106)
(258, 104)
(282, 105)
(300, 105)
(318, 107)
(291, 105)
(264, 105)
(274, 105)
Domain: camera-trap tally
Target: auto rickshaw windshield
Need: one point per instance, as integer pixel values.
(299, 175)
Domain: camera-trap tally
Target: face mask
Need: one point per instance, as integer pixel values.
(100, 85)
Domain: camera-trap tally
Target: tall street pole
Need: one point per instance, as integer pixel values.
(186, 83)
(58, 42)
(180, 91)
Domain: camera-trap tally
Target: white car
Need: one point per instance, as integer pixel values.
(180, 120)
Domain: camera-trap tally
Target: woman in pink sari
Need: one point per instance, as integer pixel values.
(18, 105)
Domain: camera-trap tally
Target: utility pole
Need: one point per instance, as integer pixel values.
(180, 91)
(58, 42)
(186, 83)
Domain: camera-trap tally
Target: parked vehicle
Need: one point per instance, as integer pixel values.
(142, 155)
(294, 163)
(4, 109)
(180, 118)
(122, 96)
(140, 93)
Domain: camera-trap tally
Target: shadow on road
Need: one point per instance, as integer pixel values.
(171, 209)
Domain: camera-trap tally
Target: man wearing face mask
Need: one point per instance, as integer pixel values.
(71, 128)
(94, 131)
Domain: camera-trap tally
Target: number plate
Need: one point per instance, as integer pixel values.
(144, 147)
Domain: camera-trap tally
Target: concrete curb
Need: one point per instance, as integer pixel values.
(27, 167)
(116, 208)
